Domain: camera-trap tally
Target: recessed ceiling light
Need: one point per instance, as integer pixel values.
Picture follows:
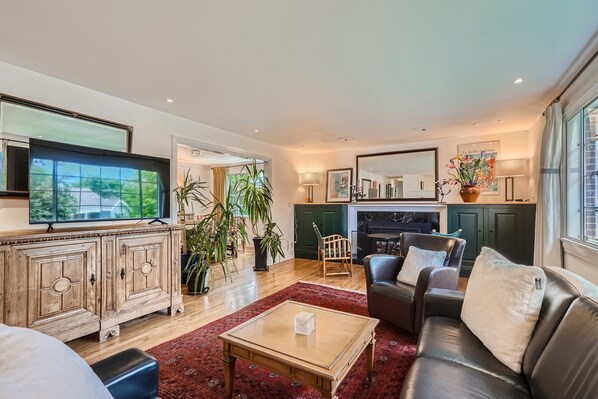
(476, 124)
(256, 130)
(499, 120)
(40, 136)
(518, 81)
(345, 139)
(422, 129)
(169, 100)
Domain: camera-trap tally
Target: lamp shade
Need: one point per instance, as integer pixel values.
(510, 167)
(309, 179)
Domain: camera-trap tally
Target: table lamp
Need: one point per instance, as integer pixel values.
(510, 168)
(310, 180)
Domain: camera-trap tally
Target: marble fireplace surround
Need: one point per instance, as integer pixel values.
(354, 208)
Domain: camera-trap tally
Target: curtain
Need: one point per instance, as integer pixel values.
(547, 248)
(219, 186)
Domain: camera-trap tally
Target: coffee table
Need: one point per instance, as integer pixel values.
(321, 359)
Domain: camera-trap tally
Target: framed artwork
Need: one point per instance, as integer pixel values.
(489, 149)
(338, 185)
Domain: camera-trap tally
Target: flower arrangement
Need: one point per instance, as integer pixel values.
(472, 171)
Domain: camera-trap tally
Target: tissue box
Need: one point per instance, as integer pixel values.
(305, 323)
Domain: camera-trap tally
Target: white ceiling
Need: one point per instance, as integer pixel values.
(306, 72)
(207, 158)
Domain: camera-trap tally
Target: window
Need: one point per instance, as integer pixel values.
(582, 174)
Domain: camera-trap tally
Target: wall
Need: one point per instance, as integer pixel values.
(152, 136)
(513, 145)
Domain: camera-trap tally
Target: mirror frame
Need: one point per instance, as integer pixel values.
(75, 115)
(435, 198)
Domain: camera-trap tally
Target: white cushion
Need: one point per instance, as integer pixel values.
(418, 259)
(502, 304)
(34, 365)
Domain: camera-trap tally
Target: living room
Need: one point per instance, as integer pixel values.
(320, 93)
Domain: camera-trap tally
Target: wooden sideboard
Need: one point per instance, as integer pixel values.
(70, 283)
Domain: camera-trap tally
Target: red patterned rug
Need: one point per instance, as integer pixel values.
(191, 365)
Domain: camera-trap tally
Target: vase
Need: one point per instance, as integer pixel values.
(469, 193)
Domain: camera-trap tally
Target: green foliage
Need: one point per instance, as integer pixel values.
(190, 190)
(255, 195)
(208, 240)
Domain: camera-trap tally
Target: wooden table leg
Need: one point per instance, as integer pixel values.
(369, 353)
(229, 370)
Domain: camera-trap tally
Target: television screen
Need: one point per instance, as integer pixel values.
(69, 183)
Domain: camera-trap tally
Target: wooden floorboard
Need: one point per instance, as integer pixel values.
(224, 298)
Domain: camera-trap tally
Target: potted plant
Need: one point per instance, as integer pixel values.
(188, 192)
(209, 242)
(472, 173)
(255, 197)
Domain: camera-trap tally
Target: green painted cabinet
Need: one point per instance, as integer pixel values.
(330, 219)
(508, 228)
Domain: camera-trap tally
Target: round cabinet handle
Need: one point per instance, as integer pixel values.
(491, 231)
(479, 231)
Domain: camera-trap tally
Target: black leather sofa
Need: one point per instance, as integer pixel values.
(561, 360)
(130, 374)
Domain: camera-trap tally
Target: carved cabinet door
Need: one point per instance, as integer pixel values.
(55, 287)
(142, 273)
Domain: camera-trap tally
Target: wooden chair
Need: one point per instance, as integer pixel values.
(334, 248)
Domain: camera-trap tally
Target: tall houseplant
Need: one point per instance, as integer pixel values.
(255, 197)
(187, 192)
(209, 242)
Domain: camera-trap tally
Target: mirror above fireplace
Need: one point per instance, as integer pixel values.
(398, 176)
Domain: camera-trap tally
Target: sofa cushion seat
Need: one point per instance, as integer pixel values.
(439, 379)
(392, 301)
(449, 339)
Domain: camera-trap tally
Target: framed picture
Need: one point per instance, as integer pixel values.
(490, 149)
(338, 185)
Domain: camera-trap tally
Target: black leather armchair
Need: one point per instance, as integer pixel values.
(399, 303)
(130, 374)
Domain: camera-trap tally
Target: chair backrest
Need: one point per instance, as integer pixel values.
(453, 246)
(455, 234)
(319, 235)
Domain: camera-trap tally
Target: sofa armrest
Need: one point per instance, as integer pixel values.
(381, 267)
(432, 277)
(442, 302)
(131, 373)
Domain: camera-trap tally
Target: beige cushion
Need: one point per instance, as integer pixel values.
(502, 304)
(418, 259)
(35, 365)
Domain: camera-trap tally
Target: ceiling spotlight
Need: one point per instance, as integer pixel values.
(499, 121)
(422, 129)
(39, 136)
(169, 100)
(476, 124)
(256, 130)
(518, 81)
(196, 153)
(345, 139)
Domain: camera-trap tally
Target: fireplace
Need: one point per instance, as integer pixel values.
(371, 222)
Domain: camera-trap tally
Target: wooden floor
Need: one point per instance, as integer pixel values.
(225, 298)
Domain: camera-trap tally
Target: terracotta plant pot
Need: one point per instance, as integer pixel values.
(469, 193)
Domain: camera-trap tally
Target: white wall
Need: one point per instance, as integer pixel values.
(513, 145)
(152, 136)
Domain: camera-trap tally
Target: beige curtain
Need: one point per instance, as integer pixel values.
(219, 184)
(547, 248)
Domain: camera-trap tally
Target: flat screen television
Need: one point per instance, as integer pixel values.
(69, 183)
